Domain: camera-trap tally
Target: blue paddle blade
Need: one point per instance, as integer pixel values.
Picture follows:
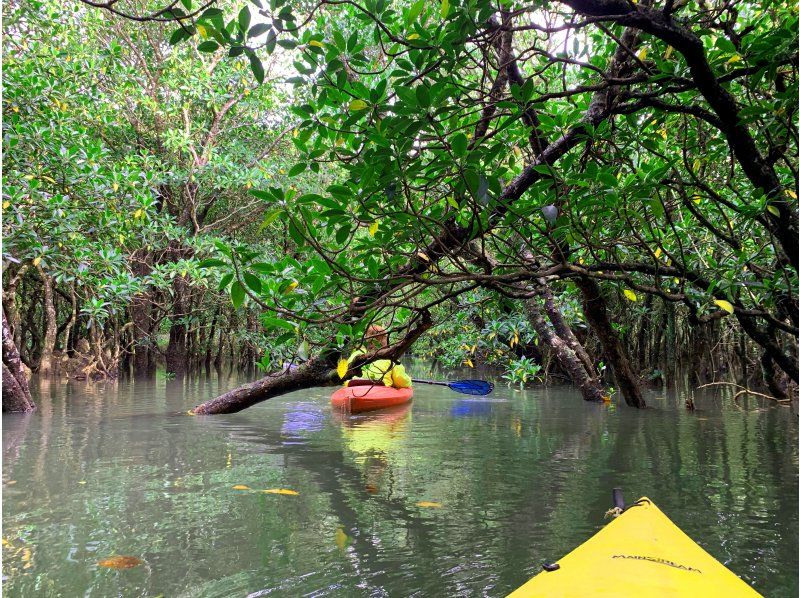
(472, 387)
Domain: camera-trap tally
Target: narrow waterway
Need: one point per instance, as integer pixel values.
(450, 496)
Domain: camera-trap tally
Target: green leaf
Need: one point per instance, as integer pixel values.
(210, 263)
(252, 281)
(459, 145)
(342, 234)
(258, 29)
(423, 96)
(270, 322)
(413, 12)
(224, 282)
(297, 169)
(358, 105)
(445, 8)
(244, 19)
(256, 67)
(179, 35)
(237, 294)
(208, 46)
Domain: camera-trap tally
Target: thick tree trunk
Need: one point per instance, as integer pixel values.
(16, 394)
(567, 358)
(594, 307)
(564, 331)
(51, 325)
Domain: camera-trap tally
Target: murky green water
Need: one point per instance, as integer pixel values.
(119, 469)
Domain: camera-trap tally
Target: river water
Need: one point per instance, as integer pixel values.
(451, 496)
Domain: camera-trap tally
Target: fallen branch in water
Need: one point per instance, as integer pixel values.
(318, 371)
(747, 391)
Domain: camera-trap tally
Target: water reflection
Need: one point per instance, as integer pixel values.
(120, 469)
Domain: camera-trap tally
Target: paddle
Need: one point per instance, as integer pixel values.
(467, 387)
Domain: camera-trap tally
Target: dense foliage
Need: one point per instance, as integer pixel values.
(552, 186)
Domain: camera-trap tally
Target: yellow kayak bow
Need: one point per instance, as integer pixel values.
(639, 554)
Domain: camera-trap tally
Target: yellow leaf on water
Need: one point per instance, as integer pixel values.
(241, 487)
(120, 562)
(373, 228)
(281, 491)
(630, 295)
(341, 538)
(726, 305)
(773, 210)
(358, 105)
(82, 482)
(341, 368)
(427, 503)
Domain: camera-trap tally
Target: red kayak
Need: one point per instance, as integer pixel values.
(356, 399)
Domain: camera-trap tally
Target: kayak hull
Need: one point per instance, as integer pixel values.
(369, 398)
(641, 553)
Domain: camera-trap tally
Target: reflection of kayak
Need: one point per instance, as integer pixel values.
(641, 553)
(366, 398)
(376, 432)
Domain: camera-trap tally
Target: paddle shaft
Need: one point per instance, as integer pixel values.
(431, 382)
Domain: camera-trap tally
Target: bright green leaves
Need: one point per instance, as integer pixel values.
(411, 14)
(445, 10)
(237, 294)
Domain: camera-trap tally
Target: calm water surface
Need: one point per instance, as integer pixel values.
(522, 478)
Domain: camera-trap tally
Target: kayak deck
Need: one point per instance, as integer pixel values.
(640, 553)
(357, 399)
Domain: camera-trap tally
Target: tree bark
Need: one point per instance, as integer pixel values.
(569, 360)
(595, 309)
(16, 393)
(45, 366)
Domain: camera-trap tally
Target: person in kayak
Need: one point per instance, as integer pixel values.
(382, 370)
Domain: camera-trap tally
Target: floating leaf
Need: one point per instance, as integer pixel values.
(341, 368)
(241, 487)
(341, 538)
(281, 491)
(120, 562)
(371, 488)
(427, 503)
(358, 105)
(726, 305)
(630, 295)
